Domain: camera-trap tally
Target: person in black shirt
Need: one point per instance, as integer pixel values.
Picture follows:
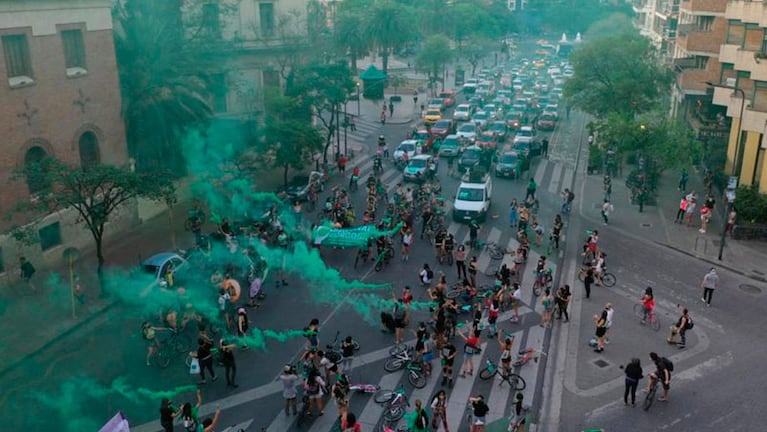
(227, 358)
(633, 375)
(426, 216)
(167, 414)
(473, 232)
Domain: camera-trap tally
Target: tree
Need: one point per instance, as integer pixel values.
(94, 193)
(348, 37)
(293, 143)
(389, 25)
(614, 24)
(433, 55)
(475, 50)
(616, 74)
(570, 16)
(164, 81)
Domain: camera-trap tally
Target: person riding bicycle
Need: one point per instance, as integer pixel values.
(601, 267)
(371, 181)
(648, 303)
(377, 162)
(662, 373)
(439, 242)
(449, 242)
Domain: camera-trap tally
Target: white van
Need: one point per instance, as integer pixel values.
(473, 198)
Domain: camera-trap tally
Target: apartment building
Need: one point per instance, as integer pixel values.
(742, 89)
(700, 33)
(60, 98)
(657, 21)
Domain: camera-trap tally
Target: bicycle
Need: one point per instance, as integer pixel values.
(333, 349)
(363, 254)
(400, 360)
(415, 374)
(496, 252)
(650, 315)
(650, 396)
(608, 279)
(543, 280)
(395, 402)
(526, 355)
(384, 257)
(173, 345)
(491, 369)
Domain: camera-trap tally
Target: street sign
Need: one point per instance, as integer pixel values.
(732, 182)
(730, 195)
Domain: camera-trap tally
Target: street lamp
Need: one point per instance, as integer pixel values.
(358, 98)
(735, 160)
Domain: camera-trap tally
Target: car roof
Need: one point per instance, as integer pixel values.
(451, 136)
(408, 142)
(510, 153)
(160, 258)
(526, 128)
(464, 105)
(421, 156)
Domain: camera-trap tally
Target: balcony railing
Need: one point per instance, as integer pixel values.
(682, 63)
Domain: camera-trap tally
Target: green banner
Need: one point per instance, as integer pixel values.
(327, 235)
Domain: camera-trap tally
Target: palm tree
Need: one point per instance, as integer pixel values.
(349, 37)
(163, 80)
(389, 25)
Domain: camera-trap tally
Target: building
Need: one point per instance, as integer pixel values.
(516, 5)
(657, 21)
(742, 89)
(699, 35)
(60, 98)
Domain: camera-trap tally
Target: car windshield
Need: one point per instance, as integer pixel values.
(467, 127)
(509, 159)
(417, 163)
(442, 124)
(471, 194)
(471, 154)
(462, 109)
(525, 133)
(435, 102)
(498, 127)
(480, 116)
(406, 147)
(450, 143)
(433, 112)
(150, 269)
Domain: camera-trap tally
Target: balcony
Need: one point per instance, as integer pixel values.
(670, 9)
(694, 40)
(753, 62)
(703, 7)
(693, 81)
(641, 6)
(747, 11)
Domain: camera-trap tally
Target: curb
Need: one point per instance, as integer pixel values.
(714, 263)
(58, 337)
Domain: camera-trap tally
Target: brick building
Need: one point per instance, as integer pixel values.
(60, 98)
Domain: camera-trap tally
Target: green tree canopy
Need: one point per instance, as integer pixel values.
(616, 74)
(389, 25)
(433, 55)
(349, 37)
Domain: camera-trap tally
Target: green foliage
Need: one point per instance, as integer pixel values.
(349, 37)
(613, 24)
(616, 75)
(165, 89)
(571, 16)
(292, 143)
(389, 25)
(751, 206)
(433, 55)
(475, 50)
(94, 193)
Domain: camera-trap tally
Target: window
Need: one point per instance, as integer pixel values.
(74, 48)
(36, 170)
(266, 19)
(754, 38)
(210, 19)
(89, 150)
(759, 97)
(728, 72)
(219, 92)
(50, 236)
(271, 78)
(17, 61)
(735, 32)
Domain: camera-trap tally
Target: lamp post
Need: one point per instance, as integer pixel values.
(735, 172)
(358, 99)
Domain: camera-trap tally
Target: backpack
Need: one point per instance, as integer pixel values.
(429, 274)
(312, 387)
(689, 323)
(570, 196)
(190, 424)
(669, 365)
(399, 312)
(422, 422)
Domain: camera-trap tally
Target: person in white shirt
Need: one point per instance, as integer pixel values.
(607, 208)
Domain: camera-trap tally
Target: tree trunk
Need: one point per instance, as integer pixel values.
(354, 62)
(99, 240)
(385, 60)
(285, 174)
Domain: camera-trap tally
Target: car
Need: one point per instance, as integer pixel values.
(298, 188)
(480, 118)
(436, 103)
(552, 109)
(469, 158)
(423, 136)
(498, 129)
(546, 122)
(416, 168)
(448, 97)
(473, 197)
(467, 131)
(487, 140)
(158, 265)
(513, 120)
(470, 86)
(450, 146)
(462, 112)
(442, 128)
(409, 147)
(432, 115)
(525, 134)
(475, 102)
(491, 110)
(510, 165)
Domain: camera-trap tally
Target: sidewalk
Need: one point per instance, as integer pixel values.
(657, 224)
(44, 318)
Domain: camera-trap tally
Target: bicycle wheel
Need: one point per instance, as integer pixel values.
(608, 279)
(393, 365)
(650, 397)
(655, 323)
(394, 413)
(333, 356)
(454, 293)
(379, 265)
(581, 276)
(397, 349)
(416, 379)
(496, 253)
(383, 396)
(537, 289)
(188, 224)
(639, 310)
(486, 373)
(517, 382)
(491, 270)
(355, 345)
(180, 343)
(162, 358)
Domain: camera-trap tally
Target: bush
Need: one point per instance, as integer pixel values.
(750, 205)
(596, 158)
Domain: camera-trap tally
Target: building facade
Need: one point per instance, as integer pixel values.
(60, 98)
(657, 21)
(742, 89)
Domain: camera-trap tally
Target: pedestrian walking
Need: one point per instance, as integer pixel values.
(27, 270)
(439, 411)
(167, 414)
(391, 108)
(313, 386)
(601, 324)
(415, 97)
(471, 347)
(289, 380)
(342, 164)
(588, 280)
(607, 208)
(340, 392)
(473, 233)
(545, 147)
(460, 262)
(683, 177)
(563, 301)
(407, 240)
(682, 210)
(447, 357)
(531, 188)
(242, 325)
(347, 349)
(709, 284)
(419, 418)
(731, 219)
(227, 358)
(513, 213)
(705, 218)
(692, 205)
(683, 324)
(633, 372)
(548, 307)
(383, 115)
(473, 267)
(204, 355)
(352, 125)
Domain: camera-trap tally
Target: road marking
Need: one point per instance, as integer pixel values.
(456, 405)
(554, 184)
(568, 179)
(500, 390)
(372, 412)
(540, 171)
(484, 257)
